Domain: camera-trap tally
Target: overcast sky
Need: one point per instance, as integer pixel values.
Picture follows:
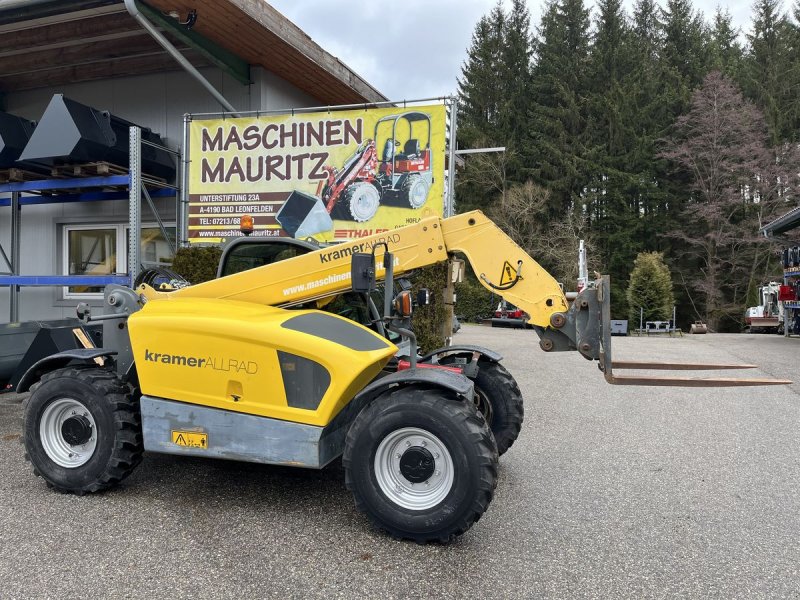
(414, 49)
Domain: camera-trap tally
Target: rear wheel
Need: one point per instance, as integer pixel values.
(415, 191)
(421, 464)
(82, 430)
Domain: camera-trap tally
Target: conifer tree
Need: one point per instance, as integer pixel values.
(480, 99)
(516, 71)
(556, 132)
(479, 87)
(725, 50)
(611, 141)
(683, 52)
(653, 96)
(768, 71)
(650, 289)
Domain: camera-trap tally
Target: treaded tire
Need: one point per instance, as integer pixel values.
(359, 202)
(505, 412)
(468, 441)
(115, 413)
(415, 192)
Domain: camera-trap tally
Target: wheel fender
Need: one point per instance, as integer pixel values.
(455, 382)
(56, 361)
(490, 355)
(333, 436)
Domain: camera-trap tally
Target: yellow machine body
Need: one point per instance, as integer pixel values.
(301, 366)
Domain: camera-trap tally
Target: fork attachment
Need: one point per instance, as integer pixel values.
(587, 325)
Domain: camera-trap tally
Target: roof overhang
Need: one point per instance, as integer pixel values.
(46, 43)
(782, 224)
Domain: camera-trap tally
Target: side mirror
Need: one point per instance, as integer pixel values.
(424, 297)
(362, 272)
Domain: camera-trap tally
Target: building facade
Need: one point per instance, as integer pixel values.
(74, 238)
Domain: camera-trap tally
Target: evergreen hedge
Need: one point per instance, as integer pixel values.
(197, 264)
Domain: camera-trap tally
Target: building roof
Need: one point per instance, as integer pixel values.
(47, 43)
(784, 223)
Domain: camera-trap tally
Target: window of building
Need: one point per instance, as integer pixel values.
(102, 249)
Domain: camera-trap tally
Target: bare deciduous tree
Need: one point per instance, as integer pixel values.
(522, 213)
(738, 183)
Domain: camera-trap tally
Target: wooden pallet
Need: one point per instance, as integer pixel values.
(16, 174)
(95, 169)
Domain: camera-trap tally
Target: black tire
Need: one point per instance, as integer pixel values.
(359, 202)
(113, 414)
(499, 400)
(414, 191)
(467, 442)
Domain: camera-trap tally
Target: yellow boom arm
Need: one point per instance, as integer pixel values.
(493, 255)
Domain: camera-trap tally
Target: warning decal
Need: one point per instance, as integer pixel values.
(509, 274)
(190, 439)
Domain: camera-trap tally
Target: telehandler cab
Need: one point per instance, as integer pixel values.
(223, 370)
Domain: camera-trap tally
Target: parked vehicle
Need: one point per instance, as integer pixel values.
(768, 316)
(508, 315)
(222, 370)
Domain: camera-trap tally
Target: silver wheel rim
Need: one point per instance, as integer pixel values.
(417, 193)
(364, 202)
(50, 433)
(398, 489)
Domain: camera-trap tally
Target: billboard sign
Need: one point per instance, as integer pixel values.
(331, 175)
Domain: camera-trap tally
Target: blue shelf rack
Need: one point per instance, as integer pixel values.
(132, 185)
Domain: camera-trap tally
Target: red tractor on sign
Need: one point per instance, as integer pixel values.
(404, 178)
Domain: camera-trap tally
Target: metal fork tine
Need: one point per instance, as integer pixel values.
(626, 364)
(608, 364)
(691, 381)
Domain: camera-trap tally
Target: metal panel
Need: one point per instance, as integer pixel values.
(336, 330)
(14, 135)
(74, 132)
(231, 435)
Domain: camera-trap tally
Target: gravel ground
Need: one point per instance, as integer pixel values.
(609, 492)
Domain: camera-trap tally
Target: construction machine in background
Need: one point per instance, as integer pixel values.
(224, 369)
(768, 316)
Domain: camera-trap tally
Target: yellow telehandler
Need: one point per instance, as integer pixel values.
(224, 369)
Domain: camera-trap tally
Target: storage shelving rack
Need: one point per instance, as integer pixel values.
(132, 186)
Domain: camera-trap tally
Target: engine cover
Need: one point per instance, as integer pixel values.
(295, 365)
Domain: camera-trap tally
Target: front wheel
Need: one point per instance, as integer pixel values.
(421, 464)
(359, 202)
(82, 430)
(499, 400)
